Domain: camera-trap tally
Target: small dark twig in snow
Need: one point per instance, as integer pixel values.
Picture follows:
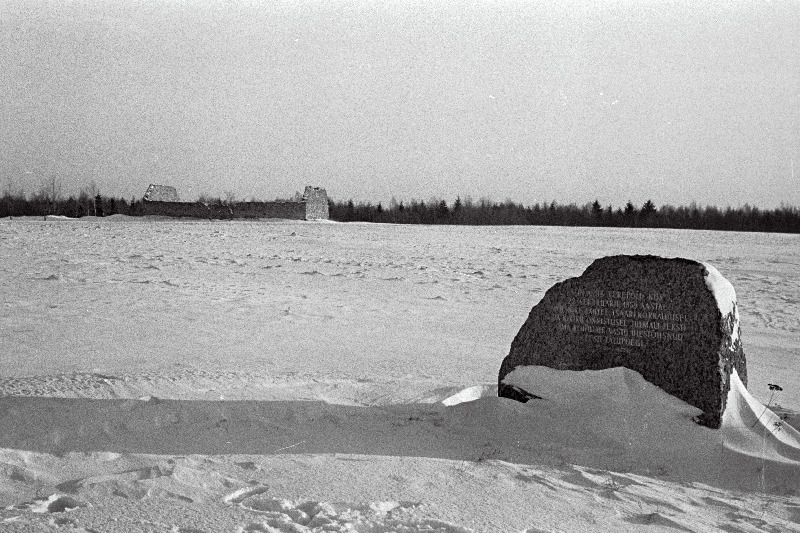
(774, 388)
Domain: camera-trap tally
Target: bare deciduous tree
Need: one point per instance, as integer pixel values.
(91, 189)
(50, 191)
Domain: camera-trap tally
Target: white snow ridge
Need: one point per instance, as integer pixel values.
(191, 377)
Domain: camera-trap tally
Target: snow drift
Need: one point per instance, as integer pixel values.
(651, 431)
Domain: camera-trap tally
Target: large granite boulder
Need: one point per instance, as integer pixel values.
(674, 321)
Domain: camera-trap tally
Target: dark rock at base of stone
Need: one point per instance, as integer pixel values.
(653, 315)
(517, 394)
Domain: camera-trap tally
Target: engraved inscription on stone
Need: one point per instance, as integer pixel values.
(625, 318)
(658, 316)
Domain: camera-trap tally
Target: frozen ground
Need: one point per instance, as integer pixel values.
(278, 376)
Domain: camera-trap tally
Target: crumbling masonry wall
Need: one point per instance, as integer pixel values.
(174, 209)
(316, 199)
(290, 210)
(161, 193)
(313, 206)
(185, 209)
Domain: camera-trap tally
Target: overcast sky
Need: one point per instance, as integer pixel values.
(675, 101)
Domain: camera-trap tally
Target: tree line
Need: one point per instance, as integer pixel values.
(49, 200)
(74, 206)
(785, 219)
(86, 204)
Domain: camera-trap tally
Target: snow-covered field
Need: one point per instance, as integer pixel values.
(188, 376)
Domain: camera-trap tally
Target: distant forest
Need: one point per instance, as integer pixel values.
(49, 200)
(485, 212)
(785, 219)
(39, 204)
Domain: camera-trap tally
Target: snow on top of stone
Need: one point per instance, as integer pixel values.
(721, 288)
(724, 294)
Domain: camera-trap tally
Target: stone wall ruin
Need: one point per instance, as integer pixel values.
(161, 193)
(312, 206)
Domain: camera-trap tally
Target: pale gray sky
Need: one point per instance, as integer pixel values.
(677, 101)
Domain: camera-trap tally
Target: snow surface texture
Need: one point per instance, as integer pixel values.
(252, 376)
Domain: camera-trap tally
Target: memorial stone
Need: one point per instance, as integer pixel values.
(674, 321)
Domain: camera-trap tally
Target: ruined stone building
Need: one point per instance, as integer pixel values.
(161, 193)
(163, 200)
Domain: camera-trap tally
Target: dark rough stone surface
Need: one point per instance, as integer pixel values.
(653, 315)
